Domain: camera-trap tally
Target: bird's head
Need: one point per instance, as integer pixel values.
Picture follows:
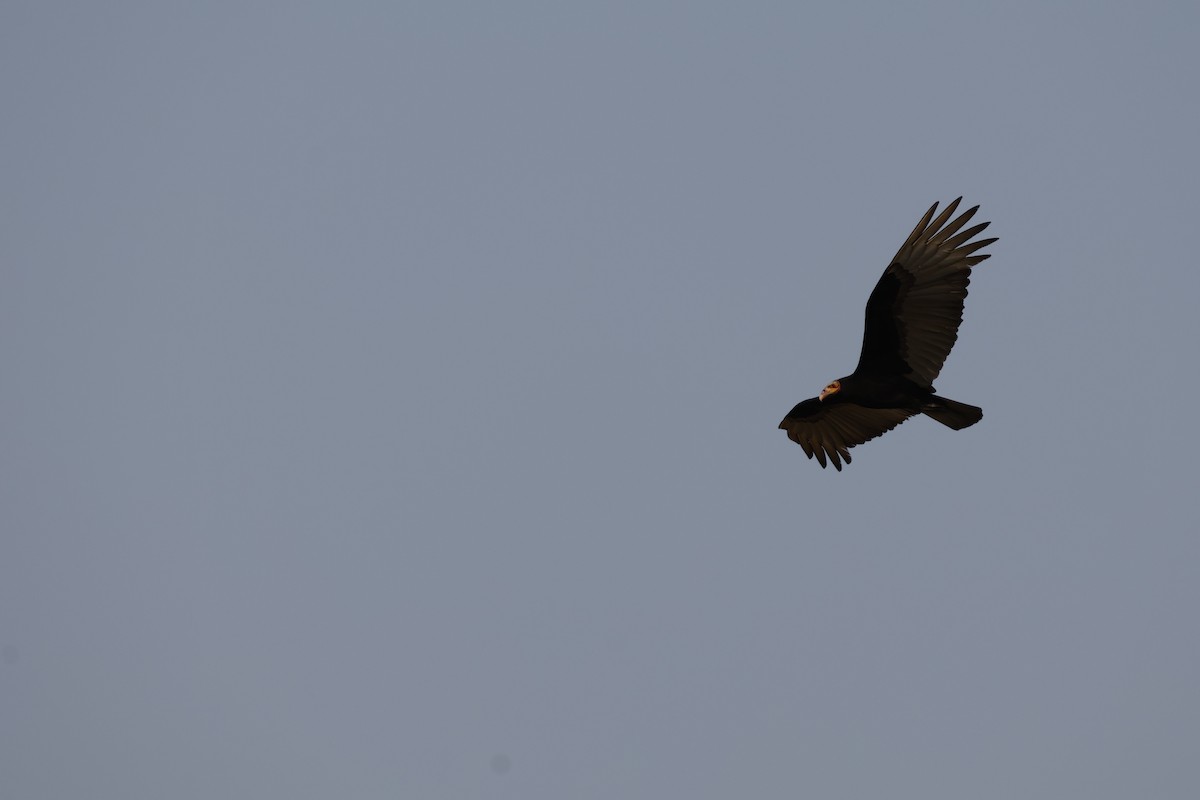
(829, 390)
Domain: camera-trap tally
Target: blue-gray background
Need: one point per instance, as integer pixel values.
(388, 402)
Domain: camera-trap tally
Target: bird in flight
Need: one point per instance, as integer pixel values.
(912, 322)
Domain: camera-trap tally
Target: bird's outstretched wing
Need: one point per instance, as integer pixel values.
(914, 312)
(829, 430)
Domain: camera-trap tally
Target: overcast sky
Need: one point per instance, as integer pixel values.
(389, 391)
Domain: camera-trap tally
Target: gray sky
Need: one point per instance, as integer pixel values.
(388, 402)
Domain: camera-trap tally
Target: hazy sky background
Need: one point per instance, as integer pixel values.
(388, 402)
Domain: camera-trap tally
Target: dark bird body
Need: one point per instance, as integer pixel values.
(912, 322)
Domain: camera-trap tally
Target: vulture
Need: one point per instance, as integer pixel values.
(912, 322)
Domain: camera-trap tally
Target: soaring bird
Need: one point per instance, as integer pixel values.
(912, 323)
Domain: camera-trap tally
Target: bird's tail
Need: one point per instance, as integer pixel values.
(952, 413)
